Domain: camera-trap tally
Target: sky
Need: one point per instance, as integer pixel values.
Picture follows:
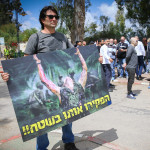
(98, 8)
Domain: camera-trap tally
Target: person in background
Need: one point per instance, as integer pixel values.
(144, 41)
(116, 63)
(78, 43)
(1, 54)
(91, 43)
(83, 43)
(141, 54)
(102, 42)
(107, 60)
(131, 63)
(98, 44)
(148, 56)
(112, 53)
(121, 55)
(126, 41)
(6, 53)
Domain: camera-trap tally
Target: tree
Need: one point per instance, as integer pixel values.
(62, 30)
(91, 29)
(137, 10)
(72, 13)
(24, 36)
(6, 10)
(112, 30)
(9, 33)
(78, 19)
(120, 22)
(104, 21)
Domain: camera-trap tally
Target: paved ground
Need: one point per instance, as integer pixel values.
(122, 126)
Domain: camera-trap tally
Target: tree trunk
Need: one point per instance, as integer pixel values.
(77, 30)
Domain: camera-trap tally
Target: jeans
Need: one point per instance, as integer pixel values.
(107, 71)
(67, 137)
(148, 66)
(120, 63)
(140, 66)
(113, 68)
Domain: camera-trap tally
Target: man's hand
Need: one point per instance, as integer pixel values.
(124, 65)
(100, 59)
(35, 58)
(78, 52)
(4, 75)
(111, 60)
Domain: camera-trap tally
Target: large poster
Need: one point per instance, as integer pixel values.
(50, 90)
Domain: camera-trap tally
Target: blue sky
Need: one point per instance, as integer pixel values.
(33, 7)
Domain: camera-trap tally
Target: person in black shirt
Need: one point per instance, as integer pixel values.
(121, 55)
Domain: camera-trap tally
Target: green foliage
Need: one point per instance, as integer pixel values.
(6, 10)
(120, 22)
(137, 10)
(62, 30)
(9, 32)
(91, 29)
(104, 21)
(111, 29)
(24, 36)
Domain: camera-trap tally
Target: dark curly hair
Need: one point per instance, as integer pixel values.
(43, 14)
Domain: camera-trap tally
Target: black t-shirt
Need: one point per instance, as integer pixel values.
(121, 46)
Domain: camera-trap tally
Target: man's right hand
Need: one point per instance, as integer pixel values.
(4, 75)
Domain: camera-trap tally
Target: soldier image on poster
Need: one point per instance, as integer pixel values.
(71, 93)
(37, 101)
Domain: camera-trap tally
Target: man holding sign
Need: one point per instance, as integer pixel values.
(44, 41)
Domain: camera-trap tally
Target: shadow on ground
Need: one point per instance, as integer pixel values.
(137, 91)
(5, 121)
(148, 79)
(91, 139)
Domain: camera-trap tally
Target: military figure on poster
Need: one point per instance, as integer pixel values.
(71, 93)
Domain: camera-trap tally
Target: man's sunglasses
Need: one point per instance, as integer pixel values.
(52, 16)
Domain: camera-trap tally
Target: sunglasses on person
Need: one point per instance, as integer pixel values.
(52, 16)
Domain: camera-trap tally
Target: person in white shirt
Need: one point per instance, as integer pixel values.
(140, 53)
(107, 60)
(112, 52)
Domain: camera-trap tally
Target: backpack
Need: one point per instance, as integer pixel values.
(37, 39)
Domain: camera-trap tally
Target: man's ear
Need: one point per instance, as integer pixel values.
(42, 20)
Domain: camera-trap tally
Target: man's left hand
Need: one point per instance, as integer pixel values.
(124, 65)
(1, 71)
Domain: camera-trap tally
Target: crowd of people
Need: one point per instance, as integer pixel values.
(113, 57)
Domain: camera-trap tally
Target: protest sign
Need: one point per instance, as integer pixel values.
(50, 90)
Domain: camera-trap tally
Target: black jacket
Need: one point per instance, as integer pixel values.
(119, 47)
